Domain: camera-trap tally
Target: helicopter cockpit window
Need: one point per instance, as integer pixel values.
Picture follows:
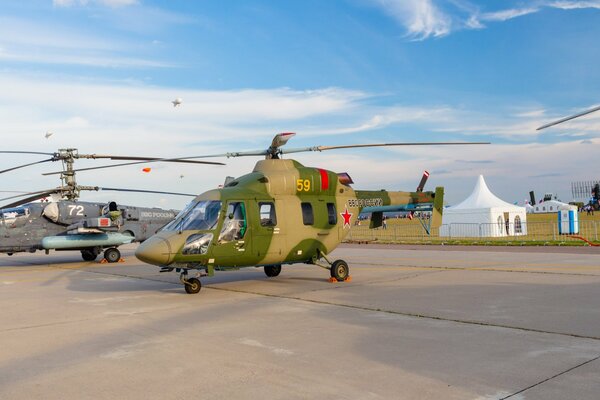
(234, 225)
(10, 214)
(202, 216)
(267, 214)
(171, 226)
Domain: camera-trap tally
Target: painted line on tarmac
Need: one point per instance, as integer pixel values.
(371, 309)
(550, 378)
(487, 269)
(594, 267)
(410, 314)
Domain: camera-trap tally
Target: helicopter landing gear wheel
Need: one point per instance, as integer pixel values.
(112, 255)
(272, 270)
(339, 270)
(192, 285)
(88, 255)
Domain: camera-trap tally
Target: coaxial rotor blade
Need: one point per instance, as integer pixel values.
(147, 191)
(25, 165)
(25, 152)
(35, 196)
(351, 146)
(560, 121)
(145, 161)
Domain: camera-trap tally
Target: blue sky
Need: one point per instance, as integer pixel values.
(100, 74)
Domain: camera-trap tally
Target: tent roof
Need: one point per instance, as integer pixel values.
(481, 198)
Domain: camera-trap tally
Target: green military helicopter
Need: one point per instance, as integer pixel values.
(280, 213)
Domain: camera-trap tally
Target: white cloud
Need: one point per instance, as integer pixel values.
(421, 18)
(572, 5)
(42, 43)
(424, 19)
(505, 15)
(109, 3)
(125, 119)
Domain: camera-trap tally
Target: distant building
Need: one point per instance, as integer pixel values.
(550, 206)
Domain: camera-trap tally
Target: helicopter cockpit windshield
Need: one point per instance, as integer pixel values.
(196, 217)
(11, 215)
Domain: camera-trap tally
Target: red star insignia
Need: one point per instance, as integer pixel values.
(346, 215)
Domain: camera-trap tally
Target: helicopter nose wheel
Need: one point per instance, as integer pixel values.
(192, 285)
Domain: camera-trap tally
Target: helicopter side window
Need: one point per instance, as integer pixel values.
(267, 214)
(331, 213)
(308, 218)
(234, 226)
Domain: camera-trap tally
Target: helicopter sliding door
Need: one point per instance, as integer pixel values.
(233, 245)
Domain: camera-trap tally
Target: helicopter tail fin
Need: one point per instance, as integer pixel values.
(438, 208)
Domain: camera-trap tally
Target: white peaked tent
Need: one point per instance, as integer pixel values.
(482, 214)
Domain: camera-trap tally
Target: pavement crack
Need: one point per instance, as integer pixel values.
(550, 378)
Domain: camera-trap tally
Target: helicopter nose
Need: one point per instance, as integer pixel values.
(155, 251)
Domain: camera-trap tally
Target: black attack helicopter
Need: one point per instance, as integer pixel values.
(65, 223)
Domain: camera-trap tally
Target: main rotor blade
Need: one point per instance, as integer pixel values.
(25, 165)
(25, 152)
(36, 195)
(146, 161)
(147, 191)
(350, 146)
(560, 121)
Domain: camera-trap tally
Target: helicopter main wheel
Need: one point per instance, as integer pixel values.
(193, 286)
(339, 270)
(112, 255)
(272, 270)
(89, 255)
